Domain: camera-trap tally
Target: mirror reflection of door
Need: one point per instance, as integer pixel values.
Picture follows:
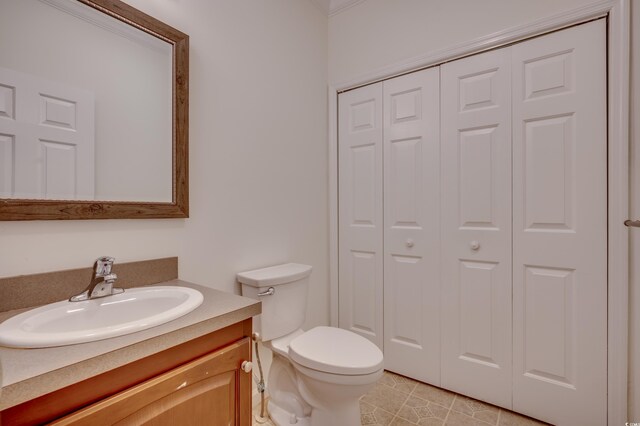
(47, 139)
(130, 75)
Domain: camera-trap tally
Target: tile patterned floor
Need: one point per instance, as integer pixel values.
(399, 401)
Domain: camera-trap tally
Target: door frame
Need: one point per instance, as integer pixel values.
(618, 73)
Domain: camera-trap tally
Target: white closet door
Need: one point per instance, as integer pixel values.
(476, 226)
(411, 225)
(360, 212)
(560, 226)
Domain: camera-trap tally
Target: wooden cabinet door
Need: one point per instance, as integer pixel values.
(212, 390)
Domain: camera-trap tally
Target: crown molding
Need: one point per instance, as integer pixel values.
(338, 6)
(331, 7)
(323, 5)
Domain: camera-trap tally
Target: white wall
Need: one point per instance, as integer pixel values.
(131, 83)
(258, 156)
(379, 33)
(376, 33)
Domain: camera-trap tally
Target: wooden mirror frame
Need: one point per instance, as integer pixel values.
(30, 209)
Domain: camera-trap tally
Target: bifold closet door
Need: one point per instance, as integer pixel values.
(476, 226)
(411, 225)
(505, 218)
(360, 226)
(560, 226)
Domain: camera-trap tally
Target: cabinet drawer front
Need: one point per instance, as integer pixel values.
(204, 391)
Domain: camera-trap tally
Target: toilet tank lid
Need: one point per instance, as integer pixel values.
(274, 275)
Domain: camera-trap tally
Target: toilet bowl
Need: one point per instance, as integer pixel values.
(317, 376)
(335, 368)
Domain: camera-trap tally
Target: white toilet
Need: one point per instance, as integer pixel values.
(316, 376)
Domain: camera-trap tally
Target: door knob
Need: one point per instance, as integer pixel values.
(475, 246)
(246, 366)
(409, 243)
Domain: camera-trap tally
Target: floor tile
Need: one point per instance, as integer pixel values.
(366, 408)
(476, 409)
(417, 409)
(398, 421)
(509, 418)
(385, 397)
(434, 394)
(377, 417)
(430, 422)
(398, 382)
(458, 419)
(399, 401)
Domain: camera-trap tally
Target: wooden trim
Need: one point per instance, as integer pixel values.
(23, 209)
(64, 401)
(345, 5)
(618, 51)
(244, 380)
(618, 13)
(334, 288)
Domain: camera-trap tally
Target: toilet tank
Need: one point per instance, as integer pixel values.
(284, 311)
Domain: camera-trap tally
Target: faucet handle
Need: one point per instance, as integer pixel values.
(103, 265)
(105, 287)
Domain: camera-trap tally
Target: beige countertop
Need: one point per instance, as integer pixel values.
(30, 373)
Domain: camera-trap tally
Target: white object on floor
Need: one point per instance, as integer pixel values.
(317, 377)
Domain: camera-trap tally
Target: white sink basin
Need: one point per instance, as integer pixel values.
(66, 323)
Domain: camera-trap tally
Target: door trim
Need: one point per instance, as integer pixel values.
(618, 51)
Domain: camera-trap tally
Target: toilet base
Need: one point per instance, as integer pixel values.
(303, 396)
(282, 417)
(347, 415)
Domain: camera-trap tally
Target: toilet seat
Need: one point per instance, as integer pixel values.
(335, 351)
(338, 379)
(281, 344)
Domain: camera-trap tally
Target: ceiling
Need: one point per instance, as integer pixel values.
(333, 7)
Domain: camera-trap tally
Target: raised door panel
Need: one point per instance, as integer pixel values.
(560, 226)
(210, 402)
(7, 149)
(206, 391)
(7, 101)
(360, 212)
(411, 225)
(7, 140)
(476, 226)
(59, 162)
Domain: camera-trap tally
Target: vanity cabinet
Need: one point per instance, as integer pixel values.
(197, 383)
(200, 392)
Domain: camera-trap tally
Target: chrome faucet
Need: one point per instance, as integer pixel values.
(102, 281)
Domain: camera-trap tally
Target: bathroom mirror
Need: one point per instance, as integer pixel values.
(93, 112)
